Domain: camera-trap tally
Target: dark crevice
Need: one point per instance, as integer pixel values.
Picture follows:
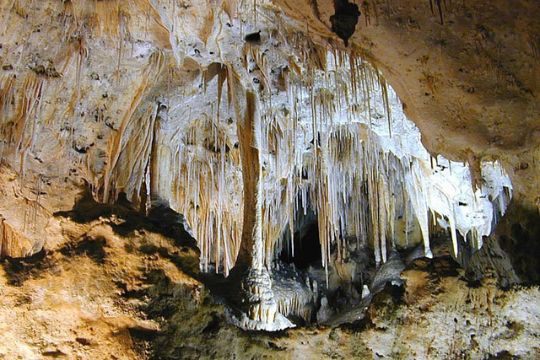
(253, 37)
(345, 19)
(307, 246)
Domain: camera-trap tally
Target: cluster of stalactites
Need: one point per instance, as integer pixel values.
(19, 110)
(321, 147)
(313, 154)
(357, 191)
(207, 190)
(364, 193)
(336, 148)
(292, 131)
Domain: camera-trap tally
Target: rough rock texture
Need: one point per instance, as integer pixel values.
(122, 286)
(13, 243)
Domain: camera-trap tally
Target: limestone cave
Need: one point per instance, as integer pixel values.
(269, 179)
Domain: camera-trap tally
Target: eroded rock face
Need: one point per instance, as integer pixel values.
(26, 215)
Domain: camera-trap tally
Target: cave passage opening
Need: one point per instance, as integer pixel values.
(307, 244)
(307, 247)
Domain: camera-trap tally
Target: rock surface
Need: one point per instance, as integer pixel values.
(117, 287)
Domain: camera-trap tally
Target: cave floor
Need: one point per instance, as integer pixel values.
(111, 294)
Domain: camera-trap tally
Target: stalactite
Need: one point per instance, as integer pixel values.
(152, 70)
(25, 120)
(327, 140)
